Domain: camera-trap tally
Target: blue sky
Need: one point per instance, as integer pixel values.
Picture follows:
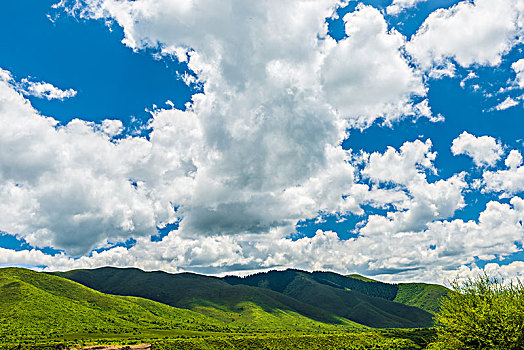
(365, 137)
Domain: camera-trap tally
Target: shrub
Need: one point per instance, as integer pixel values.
(481, 313)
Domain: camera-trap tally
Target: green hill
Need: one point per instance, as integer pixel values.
(364, 302)
(360, 277)
(276, 299)
(424, 296)
(37, 305)
(238, 305)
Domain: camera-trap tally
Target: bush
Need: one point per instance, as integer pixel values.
(481, 313)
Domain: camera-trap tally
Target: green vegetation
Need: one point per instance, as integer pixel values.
(367, 303)
(38, 306)
(35, 307)
(349, 341)
(378, 339)
(278, 310)
(424, 296)
(362, 278)
(482, 313)
(240, 306)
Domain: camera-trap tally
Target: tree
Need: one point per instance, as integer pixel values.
(481, 313)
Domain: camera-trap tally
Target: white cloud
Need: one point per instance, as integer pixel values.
(425, 202)
(245, 161)
(365, 89)
(507, 103)
(518, 67)
(36, 89)
(397, 6)
(514, 159)
(44, 90)
(111, 127)
(510, 181)
(5, 75)
(484, 150)
(68, 186)
(261, 149)
(431, 254)
(471, 32)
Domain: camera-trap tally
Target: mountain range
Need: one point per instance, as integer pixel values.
(127, 299)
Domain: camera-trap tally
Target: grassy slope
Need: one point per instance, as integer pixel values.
(360, 277)
(424, 296)
(240, 306)
(338, 295)
(421, 295)
(33, 304)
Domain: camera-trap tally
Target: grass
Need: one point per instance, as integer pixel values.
(35, 307)
(39, 306)
(166, 340)
(424, 296)
(40, 311)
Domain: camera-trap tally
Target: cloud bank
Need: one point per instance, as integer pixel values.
(260, 148)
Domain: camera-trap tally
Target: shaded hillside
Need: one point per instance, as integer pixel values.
(275, 298)
(278, 281)
(240, 305)
(339, 295)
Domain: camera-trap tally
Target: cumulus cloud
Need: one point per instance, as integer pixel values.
(417, 239)
(364, 88)
(67, 186)
(254, 154)
(507, 103)
(397, 6)
(471, 32)
(509, 181)
(514, 159)
(44, 90)
(425, 202)
(484, 150)
(259, 150)
(5, 75)
(431, 254)
(36, 89)
(518, 67)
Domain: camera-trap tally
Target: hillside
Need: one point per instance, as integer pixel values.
(364, 302)
(278, 295)
(34, 305)
(130, 303)
(239, 305)
(424, 296)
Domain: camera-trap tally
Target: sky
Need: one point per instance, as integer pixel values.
(380, 137)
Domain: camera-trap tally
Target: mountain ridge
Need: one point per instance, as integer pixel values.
(367, 303)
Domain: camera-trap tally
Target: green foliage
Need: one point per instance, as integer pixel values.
(364, 302)
(384, 339)
(424, 296)
(239, 305)
(313, 310)
(482, 313)
(279, 280)
(36, 306)
(365, 286)
(349, 341)
(362, 278)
